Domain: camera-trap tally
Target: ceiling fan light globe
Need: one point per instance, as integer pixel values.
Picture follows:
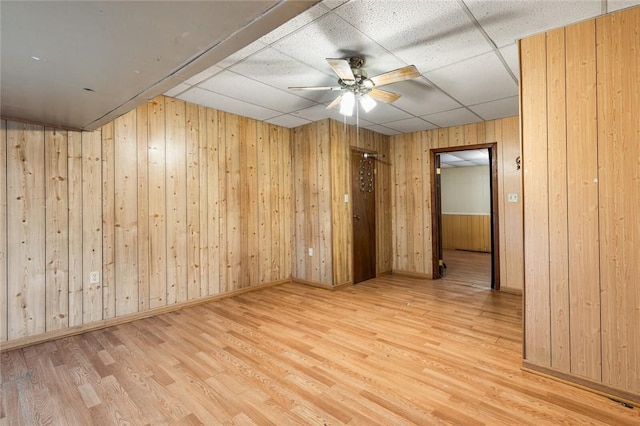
(367, 102)
(347, 103)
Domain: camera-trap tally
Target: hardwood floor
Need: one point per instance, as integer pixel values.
(391, 351)
(468, 267)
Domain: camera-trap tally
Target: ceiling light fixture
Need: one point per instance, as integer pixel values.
(347, 103)
(367, 102)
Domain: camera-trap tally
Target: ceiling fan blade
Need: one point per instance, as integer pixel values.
(384, 96)
(335, 103)
(316, 88)
(343, 69)
(405, 73)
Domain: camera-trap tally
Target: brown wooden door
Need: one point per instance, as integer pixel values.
(363, 204)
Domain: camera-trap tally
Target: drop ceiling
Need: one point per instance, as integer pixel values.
(466, 158)
(241, 56)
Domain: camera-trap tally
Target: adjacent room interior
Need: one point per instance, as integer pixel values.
(257, 212)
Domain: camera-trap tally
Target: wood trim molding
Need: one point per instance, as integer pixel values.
(97, 325)
(411, 274)
(583, 383)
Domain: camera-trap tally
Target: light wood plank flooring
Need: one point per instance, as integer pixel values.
(468, 267)
(391, 351)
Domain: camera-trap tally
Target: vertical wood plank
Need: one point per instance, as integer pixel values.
(144, 260)
(341, 212)
(75, 213)
(558, 245)
(25, 229)
(512, 246)
(417, 195)
(536, 214)
(194, 168)
(57, 228)
(176, 199)
(126, 214)
(582, 196)
(285, 202)
(217, 236)
(3, 230)
(108, 222)
(251, 264)
(401, 211)
(204, 188)
(299, 194)
(425, 141)
(265, 201)
(618, 93)
(233, 229)
(325, 256)
(157, 203)
(92, 298)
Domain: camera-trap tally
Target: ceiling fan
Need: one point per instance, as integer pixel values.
(355, 83)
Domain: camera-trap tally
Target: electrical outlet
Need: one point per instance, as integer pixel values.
(346, 198)
(310, 251)
(512, 198)
(94, 277)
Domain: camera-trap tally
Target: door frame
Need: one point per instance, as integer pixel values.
(436, 212)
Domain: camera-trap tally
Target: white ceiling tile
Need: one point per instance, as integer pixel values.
(288, 120)
(473, 154)
(383, 129)
(213, 100)
(297, 22)
(278, 70)
(420, 98)
(613, 5)
(320, 112)
(427, 33)
(201, 76)
(475, 80)
(383, 113)
(455, 117)
(497, 109)
(510, 54)
(506, 21)
(239, 87)
(409, 125)
(332, 37)
(177, 90)
(332, 4)
(241, 54)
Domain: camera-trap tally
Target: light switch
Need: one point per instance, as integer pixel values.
(512, 198)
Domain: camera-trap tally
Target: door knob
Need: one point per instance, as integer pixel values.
(356, 217)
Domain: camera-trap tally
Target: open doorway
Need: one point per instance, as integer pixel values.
(465, 231)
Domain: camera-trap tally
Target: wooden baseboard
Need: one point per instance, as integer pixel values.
(97, 325)
(511, 290)
(411, 274)
(321, 285)
(583, 383)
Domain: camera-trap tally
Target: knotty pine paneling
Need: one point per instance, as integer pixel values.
(3, 230)
(581, 212)
(57, 230)
(322, 219)
(25, 230)
(410, 164)
(466, 232)
(618, 94)
(168, 203)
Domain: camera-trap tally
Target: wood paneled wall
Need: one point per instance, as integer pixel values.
(466, 232)
(411, 187)
(580, 109)
(322, 218)
(169, 203)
